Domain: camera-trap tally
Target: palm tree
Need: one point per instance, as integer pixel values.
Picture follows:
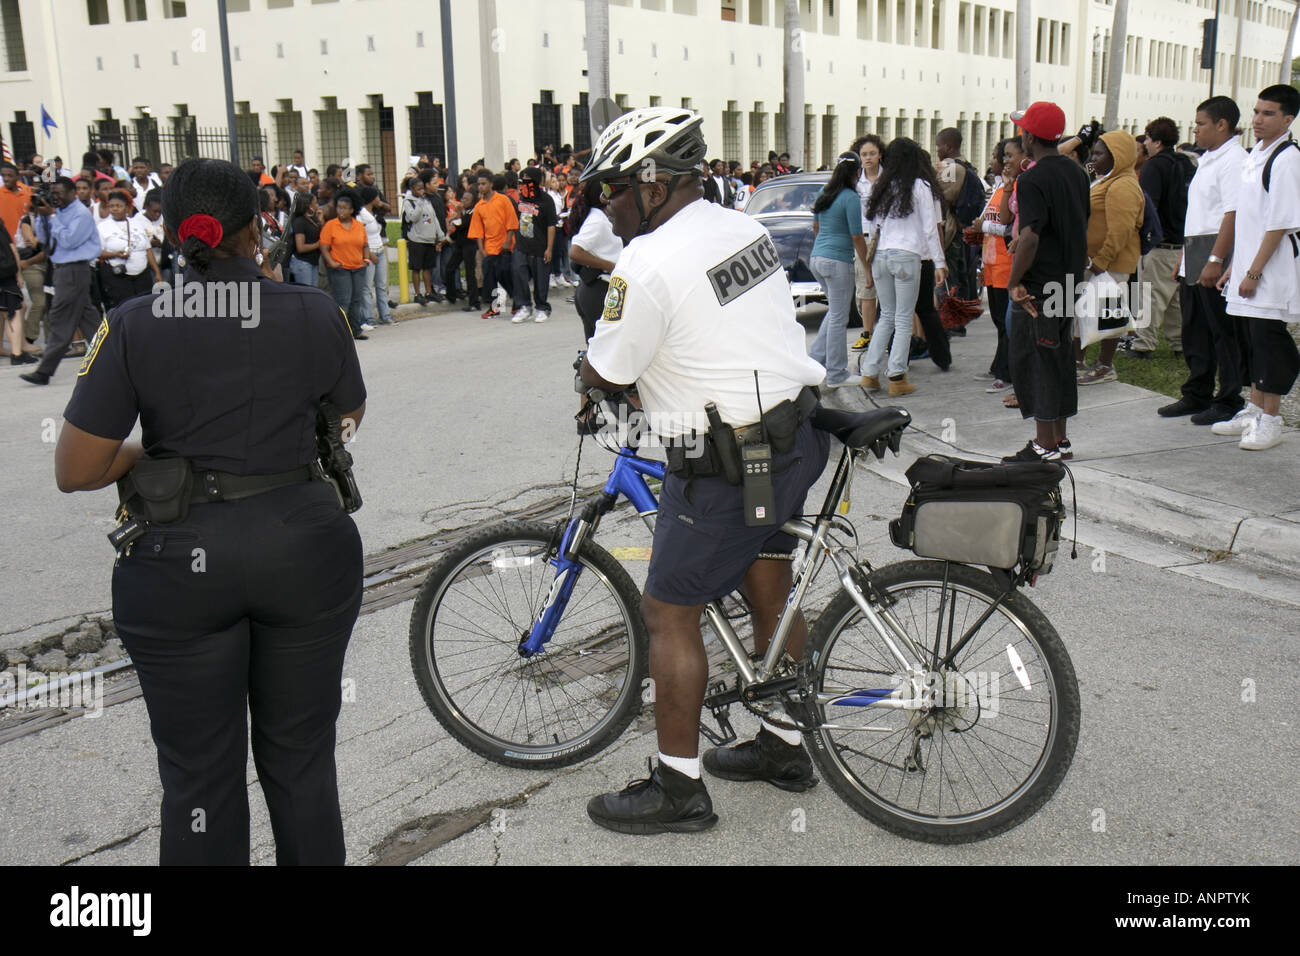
(794, 80)
(597, 50)
(1024, 53)
(1118, 40)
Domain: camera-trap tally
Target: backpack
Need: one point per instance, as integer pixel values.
(970, 202)
(1268, 167)
(1150, 232)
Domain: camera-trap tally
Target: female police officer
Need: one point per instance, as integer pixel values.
(246, 603)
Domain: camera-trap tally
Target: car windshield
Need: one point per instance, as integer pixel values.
(783, 197)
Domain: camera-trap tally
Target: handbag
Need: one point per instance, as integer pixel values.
(1103, 310)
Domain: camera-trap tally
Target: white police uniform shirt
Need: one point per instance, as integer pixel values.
(693, 309)
(1278, 294)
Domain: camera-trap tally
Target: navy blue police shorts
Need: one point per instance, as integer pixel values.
(702, 546)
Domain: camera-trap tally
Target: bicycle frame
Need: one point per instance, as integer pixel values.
(627, 480)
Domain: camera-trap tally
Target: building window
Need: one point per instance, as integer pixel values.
(331, 133)
(279, 51)
(758, 12)
(324, 47)
(173, 9)
(11, 25)
(99, 63)
(419, 38)
(582, 122)
(176, 60)
(370, 44)
(546, 39)
(22, 134)
(135, 10)
(731, 120)
(546, 122)
(135, 58)
(234, 52)
(97, 12)
(729, 10)
(426, 125)
(278, 4)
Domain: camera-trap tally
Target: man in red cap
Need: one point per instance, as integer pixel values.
(1051, 255)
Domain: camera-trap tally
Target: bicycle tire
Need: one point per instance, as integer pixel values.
(570, 707)
(1021, 771)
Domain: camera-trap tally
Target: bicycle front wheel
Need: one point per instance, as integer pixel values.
(992, 744)
(552, 709)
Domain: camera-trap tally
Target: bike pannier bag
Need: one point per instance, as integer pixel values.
(996, 515)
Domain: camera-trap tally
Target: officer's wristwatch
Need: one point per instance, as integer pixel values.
(1215, 259)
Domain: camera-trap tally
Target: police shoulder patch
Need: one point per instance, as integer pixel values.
(92, 349)
(615, 299)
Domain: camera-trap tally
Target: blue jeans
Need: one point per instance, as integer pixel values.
(348, 286)
(303, 273)
(830, 348)
(897, 274)
(377, 288)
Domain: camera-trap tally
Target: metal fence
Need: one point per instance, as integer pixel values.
(180, 142)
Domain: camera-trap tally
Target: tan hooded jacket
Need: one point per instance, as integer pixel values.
(1117, 209)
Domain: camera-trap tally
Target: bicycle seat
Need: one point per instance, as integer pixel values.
(861, 430)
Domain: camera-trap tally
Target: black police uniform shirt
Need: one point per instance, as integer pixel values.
(236, 394)
(693, 309)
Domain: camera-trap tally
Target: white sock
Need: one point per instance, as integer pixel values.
(687, 765)
(791, 737)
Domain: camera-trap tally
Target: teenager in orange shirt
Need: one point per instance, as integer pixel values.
(995, 236)
(344, 249)
(493, 228)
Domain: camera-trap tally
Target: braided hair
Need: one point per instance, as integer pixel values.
(213, 188)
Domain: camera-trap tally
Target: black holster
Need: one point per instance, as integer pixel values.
(157, 489)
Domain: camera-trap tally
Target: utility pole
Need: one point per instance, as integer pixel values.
(492, 45)
(597, 12)
(1024, 53)
(1236, 53)
(794, 84)
(230, 86)
(448, 88)
(1115, 81)
(1287, 56)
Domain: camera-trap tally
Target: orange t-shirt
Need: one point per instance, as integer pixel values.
(266, 180)
(997, 261)
(492, 221)
(13, 206)
(347, 244)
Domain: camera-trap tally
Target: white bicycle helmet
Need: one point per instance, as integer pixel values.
(655, 138)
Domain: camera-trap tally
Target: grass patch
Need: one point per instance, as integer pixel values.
(1164, 372)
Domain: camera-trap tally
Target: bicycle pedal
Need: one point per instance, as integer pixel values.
(721, 711)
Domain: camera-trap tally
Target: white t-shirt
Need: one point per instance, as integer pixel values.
(1277, 295)
(374, 235)
(152, 228)
(863, 186)
(694, 308)
(597, 236)
(151, 182)
(1214, 188)
(128, 236)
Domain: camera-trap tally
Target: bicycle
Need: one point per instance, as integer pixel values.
(935, 699)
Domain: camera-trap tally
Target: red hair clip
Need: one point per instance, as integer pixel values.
(202, 227)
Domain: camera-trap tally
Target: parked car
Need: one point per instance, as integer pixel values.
(784, 206)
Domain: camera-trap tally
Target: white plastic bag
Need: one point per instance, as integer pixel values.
(1103, 309)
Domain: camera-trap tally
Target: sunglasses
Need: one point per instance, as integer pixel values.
(609, 190)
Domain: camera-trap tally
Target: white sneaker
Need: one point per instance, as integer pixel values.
(541, 316)
(1264, 432)
(1239, 423)
(367, 327)
(521, 315)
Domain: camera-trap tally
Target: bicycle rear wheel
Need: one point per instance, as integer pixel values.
(1000, 736)
(556, 707)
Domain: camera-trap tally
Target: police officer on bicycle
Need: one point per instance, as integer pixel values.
(238, 578)
(699, 316)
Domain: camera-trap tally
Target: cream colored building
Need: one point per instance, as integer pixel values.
(363, 79)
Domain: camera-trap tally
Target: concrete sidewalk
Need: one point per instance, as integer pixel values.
(1174, 482)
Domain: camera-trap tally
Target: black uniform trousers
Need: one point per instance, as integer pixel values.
(245, 607)
(589, 298)
(999, 299)
(1213, 341)
(70, 310)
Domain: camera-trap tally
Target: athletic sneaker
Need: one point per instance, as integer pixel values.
(986, 377)
(1238, 423)
(1264, 432)
(1034, 452)
(491, 313)
(861, 344)
(541, 315)
(521, 315)
(367, 327)
(1065, 448)
(1097, 375)
(666, 802)
(767, 757)
(997, 386)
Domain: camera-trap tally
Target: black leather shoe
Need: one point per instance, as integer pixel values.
(23, 359)
(667, 802)
(1181, 407)
(766, 757)
(36, 378)
(1215, 413)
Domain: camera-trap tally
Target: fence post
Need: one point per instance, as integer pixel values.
(403, 274)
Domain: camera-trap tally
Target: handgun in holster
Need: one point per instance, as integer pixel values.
(335, 460)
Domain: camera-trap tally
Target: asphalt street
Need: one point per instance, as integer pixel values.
(1188, 749)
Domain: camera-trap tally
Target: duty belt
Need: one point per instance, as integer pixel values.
(213, 485)
(804, 404)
